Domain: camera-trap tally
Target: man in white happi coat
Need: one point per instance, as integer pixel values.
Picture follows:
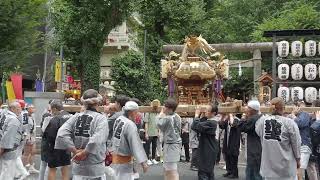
(281, 142)
(126, 144)
(85, 135)
(11, 144)
(169, 123)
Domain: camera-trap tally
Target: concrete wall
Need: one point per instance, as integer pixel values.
(41, 100)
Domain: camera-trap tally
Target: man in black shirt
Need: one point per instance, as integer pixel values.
(208, 145)
(56, 157)
(247, 125)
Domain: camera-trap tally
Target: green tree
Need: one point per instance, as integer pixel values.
(20, 35)
(132, 77)
(237, 85)
(168, 21)
(299, 15)
(234, 20)
(82, 27)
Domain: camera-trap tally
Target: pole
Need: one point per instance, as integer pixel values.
(274, 66)
(61, 58)
(145, 48)
(44, 70)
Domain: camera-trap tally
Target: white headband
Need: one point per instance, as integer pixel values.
(93, 100)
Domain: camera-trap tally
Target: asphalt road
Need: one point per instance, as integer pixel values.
(155, 172)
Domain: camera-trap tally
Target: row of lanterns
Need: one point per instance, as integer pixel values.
(310, 48)
(310, 94)
(310, 71)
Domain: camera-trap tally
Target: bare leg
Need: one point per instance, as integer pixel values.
(172, 175)
(32, 153)
(52, 174)
(300, 173)
(26, 154)
(312, 171)
(65, 172)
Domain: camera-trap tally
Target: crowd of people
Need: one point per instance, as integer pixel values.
(279, 146)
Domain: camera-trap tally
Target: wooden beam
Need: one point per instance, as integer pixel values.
(190, 109)
(225, 47)
(244, 63)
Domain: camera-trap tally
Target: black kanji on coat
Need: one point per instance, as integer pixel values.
(83, 125)
(272, 130)
(25, 119)
(2, 119)
(118, 130)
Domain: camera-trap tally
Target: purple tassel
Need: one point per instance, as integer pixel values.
(217, 87)
(171, 87)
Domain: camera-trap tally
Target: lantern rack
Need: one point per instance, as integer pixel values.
(298, 82)
(300, 59)
(290, 35)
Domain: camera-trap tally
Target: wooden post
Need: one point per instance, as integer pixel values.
(256, 70)
(274, 66)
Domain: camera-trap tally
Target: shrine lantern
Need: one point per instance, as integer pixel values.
(296, 48)
(310, 71)
(297, 71)
(311, 94)
(283, 71)
(284, 93)
(283, 48)
(310, 48)
(296, 93)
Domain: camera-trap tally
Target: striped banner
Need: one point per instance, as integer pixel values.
(16, 80)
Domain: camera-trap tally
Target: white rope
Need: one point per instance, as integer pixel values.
(94, 100)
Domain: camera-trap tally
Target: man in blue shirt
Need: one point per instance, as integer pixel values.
(303, 121)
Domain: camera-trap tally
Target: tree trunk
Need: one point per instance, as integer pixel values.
(90, 68)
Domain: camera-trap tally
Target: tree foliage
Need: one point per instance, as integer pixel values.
(133, 78)
(168, 21)
(20, 35)
(299, 15)
(82, 27)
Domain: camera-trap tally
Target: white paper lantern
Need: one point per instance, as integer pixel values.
(284, 93)
(283, 71)
(310, 94)
(296, 93)
(310, 71)
(310, 48)
(297, 71)
(283, 48)
(296, 48)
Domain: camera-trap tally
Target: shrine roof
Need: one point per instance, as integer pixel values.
(264, 77)
(296, 32)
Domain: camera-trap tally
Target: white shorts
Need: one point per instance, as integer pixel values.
(170, 166)
(78, 177)
(291, 178)
(282, 178)
(305, 156)
(123, 171)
